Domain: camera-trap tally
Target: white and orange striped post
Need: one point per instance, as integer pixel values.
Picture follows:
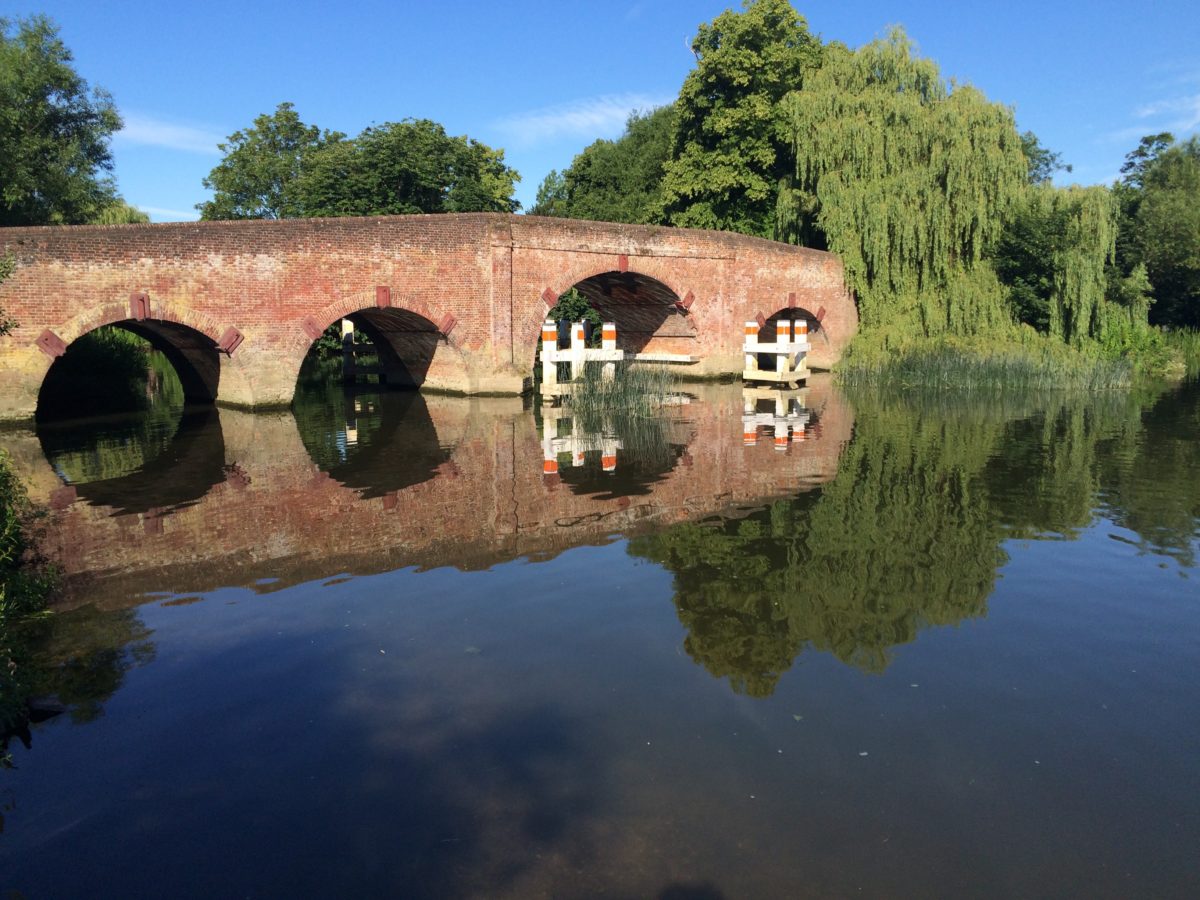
(608, 341)
(749, 434)
(578, 347)
(751, 337)
(783, 337)
(549, 353)
(798, 432)
(549, 455)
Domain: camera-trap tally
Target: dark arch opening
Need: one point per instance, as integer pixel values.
(390, 348)
(647, 313)
(113, 369)
(767, 333)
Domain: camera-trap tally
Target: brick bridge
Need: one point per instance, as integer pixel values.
(455, 302)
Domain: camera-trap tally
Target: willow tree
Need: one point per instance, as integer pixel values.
(1055, 258)
(1077, 301)
(912, 177)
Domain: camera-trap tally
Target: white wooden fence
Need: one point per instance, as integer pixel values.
(789, 350)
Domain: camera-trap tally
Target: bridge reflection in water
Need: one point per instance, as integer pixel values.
(374, 482)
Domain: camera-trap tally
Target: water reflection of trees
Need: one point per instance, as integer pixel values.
(910, 532)
(68, 663)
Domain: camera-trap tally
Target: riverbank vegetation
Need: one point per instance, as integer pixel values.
(25, 586)
(961, 252)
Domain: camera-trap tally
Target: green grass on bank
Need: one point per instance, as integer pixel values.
(978, 363)
(1186, 343)
(1024, 360)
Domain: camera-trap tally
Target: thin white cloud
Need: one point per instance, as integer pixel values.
(169, 215)
(150, 132)
(590, 117)
(1180, 113)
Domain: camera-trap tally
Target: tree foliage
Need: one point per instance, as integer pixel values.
(54, 131)
(1167, 233)
(614, 181)
(283, 168)
(258, 176)
(7, 265)
(406, 167)
(118, 213)
(730, 150)
(912, 178)
(1041, 162)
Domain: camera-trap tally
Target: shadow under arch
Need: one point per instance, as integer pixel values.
(816, 333)
(411, 350)
(134, 469)
(192, 354)
(647, 313)
(375, 443)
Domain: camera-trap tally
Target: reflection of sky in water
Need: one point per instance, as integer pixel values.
(883, 686)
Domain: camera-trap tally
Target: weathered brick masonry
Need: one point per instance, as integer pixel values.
(459, 298)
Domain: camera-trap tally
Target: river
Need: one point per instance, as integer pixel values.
(422, 646)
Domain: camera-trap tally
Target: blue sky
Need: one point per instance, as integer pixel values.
(544, 79)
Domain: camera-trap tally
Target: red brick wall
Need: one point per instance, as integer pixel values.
(271, 279)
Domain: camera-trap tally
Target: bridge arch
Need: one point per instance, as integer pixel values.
(414, 351)
(185, 340)
(646, 304)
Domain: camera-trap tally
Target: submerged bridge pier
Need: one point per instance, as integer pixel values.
(451, 302)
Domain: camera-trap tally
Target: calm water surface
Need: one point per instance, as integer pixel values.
(432, 647)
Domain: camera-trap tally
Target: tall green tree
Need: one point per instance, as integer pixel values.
(614, 181)
(1167, 233)
(118, 213)
(282, 168)
(551, 197)
(411, 166)
(730, 151)
(55, 161)
(258, 175)
(912, 179)
(1158, 235)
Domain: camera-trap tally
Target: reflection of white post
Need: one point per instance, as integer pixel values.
(549, 456)
(608, 455)
(549, 354)
(608, 341)
(578, 345)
